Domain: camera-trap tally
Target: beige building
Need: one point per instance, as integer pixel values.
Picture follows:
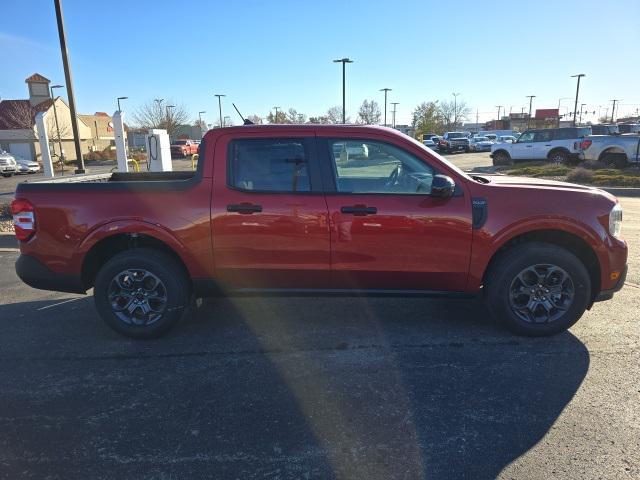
(19, 134)
(101, 126)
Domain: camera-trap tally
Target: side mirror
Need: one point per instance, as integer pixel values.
(442, 186)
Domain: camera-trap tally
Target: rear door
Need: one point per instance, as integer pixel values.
(543, 143)
(387, 232)
(269, 216)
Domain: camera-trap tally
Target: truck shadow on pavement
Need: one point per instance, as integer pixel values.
(281, 388)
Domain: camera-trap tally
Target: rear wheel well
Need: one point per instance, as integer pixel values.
(108, 247)
(568, 241)
(558, 149)
(610, 151)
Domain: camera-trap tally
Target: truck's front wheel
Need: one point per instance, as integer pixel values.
(142, 293)
(538, 289)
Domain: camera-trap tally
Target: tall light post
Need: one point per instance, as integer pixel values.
(67, 76)
(582, 105)
(220, 108)
(498, 118)
(560, 100)
(575, 105)
(167, 109)
(275, 118)
(393, 113)
(455, 109)
(344, 61)
(530, 97)
(200, 120)
(386, 91)
(118, 99)
(613, 108)
(55, 115)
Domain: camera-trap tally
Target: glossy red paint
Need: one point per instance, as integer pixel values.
(303, 240)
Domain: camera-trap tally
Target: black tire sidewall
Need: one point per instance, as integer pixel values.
(161, 265)
(517, 259)
(563, 155)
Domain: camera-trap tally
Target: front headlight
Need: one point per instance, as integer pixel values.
(615, 220)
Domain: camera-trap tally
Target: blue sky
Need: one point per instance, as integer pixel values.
(267, 53)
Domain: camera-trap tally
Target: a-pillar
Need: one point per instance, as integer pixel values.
(43, 138)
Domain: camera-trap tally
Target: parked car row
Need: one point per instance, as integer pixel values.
(11, 164)
(452, 142)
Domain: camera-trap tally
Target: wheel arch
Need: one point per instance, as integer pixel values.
(109, 246)
(561, 238)
(612, 150)
(558, 149)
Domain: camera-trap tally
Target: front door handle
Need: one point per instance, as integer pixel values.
(529, 146)
(245, 208)
(359, 210)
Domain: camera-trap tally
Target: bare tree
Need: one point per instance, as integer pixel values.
(255, 119)
(280, 118)
(20, 114)
(454, 112)
(334, 115)
(294, 117)
(152, 114)
(369, 113)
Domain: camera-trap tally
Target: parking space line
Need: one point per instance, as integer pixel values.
(61, 303)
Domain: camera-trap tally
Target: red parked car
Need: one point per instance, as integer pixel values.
(183, 148)
(286, 209)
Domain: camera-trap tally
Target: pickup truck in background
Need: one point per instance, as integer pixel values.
(454, 142)
(278, 210)
(557, 145)
(183, 148)
(614, 150)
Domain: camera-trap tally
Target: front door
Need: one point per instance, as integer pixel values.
(268, 216)
(387, 232)
(524, 147)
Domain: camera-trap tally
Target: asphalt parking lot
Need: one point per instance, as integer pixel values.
(319, 388)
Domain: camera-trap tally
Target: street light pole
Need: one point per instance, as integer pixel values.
(530, 97)
(393, 113)
(386, 91)
(166, 109)
(455, 109)
(581, 107)
(613, 109)
(560, 100)
(67, 75)
(220, 107)
(275, 118)
(120, 98)
(575, 106)
(499, 107)
(200, 121)
(55, 115)
(344, 61)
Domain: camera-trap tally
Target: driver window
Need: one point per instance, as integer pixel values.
(366, 166)
(526, 137)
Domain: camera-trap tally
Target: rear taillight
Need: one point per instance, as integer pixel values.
(24, 219)
(584, 144)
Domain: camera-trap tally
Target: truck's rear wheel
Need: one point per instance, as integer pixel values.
(559, 157)
(538, 289)
(501, 158)
(615, 160)
(142, 293)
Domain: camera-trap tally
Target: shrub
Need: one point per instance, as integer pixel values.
(580, 175)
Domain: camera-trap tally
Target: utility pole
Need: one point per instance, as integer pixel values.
(498, 118)
(275, 118)
(344, 61)
(167, 115)
(220, 107)
(200, 120)
(560, 100)
(393, 113)
(55, 114)
(385, 90)
(582, 105)
(530, 97)
(613, 109)
(575, 106)
(455, 109)
(67, 75)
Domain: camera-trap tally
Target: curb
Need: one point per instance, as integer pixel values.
(622, 191)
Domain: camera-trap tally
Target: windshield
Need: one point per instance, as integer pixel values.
(481, 139)
(179, 142)
(456, 135)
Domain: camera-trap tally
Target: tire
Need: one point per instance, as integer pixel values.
(168, 299)
(501, 158)
(7, 175)
(615, 160)
(559, 157)
(504, 278)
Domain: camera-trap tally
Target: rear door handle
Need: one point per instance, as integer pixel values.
(245, 208)
(359, 210)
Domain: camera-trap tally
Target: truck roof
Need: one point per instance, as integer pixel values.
(338, 128)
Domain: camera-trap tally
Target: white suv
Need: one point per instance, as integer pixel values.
(558, 145)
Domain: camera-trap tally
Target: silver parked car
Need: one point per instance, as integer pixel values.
(480, 144)
(7, 164)
(26, 166)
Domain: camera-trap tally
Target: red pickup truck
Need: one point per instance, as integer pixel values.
(303, 210)
(183, 148)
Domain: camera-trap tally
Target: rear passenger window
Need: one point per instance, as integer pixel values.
(269, 165)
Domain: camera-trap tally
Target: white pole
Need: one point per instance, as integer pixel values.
(121, 147)
(47, 165)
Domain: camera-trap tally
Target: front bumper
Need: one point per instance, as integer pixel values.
(608, 294)
(37, 275)
(7, 169)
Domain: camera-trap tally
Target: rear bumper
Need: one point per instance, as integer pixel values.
(37, 275)
(608, 294)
